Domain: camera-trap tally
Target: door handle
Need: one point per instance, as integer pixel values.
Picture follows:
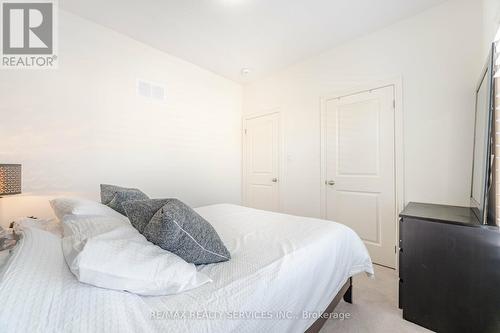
(330, 182)
(274, 180)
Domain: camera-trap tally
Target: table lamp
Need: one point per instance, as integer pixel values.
(10, 179)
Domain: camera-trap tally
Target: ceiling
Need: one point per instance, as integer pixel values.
(225, 36)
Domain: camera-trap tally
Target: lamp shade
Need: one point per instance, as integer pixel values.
(10, 179)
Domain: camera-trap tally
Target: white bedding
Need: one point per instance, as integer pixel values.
(281, 265)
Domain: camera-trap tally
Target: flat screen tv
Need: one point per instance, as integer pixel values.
(482, 175)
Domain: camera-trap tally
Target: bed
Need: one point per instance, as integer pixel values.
(284, 272)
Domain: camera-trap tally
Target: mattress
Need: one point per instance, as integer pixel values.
(284, 271)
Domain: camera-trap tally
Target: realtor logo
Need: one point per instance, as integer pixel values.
(28, 34)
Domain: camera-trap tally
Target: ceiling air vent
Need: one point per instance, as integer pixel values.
(150, 90)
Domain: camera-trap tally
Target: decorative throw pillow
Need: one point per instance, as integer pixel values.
(113, 196)
(177, 228)
(140, 212)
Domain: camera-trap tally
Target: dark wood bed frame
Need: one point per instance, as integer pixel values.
(346, 293)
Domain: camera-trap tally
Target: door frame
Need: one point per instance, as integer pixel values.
(281, 160)
(399, 168)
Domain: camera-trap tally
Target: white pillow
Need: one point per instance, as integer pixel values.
(107, 253)
(78, 228)
(77, 206)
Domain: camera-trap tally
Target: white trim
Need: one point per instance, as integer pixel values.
(399, 167)
(281, 149)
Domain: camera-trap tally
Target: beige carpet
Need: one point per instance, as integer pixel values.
(375, 307)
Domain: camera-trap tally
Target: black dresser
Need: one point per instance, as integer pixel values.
(449, 269)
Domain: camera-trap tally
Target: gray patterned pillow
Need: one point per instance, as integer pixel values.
(114, 196)
(140, 212)
(177, 228)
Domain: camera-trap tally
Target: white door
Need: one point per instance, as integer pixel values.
(261, 161)
(360, 168)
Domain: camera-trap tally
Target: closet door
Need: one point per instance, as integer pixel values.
(360, 169)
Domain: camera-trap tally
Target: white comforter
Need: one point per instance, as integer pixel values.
(281, 266)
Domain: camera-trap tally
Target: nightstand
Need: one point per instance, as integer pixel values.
(8, 240)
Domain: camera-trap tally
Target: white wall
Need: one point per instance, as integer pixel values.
(491, 22)
(437, 54)
(82, 124)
